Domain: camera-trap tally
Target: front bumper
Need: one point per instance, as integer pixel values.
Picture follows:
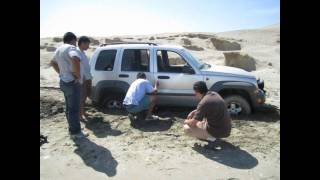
(259, 94)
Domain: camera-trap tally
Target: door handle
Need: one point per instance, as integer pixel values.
(123, 75)
(163, 77)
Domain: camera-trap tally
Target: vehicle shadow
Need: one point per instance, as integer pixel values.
(99, 127)
(265, 113)
(95, 156)
(228, 155)
(156, 125)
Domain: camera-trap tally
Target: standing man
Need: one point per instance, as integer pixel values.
(211, 119)
(83, 45)
(66, 62)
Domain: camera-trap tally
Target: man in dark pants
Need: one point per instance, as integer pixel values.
(66, 62)
(211, 119)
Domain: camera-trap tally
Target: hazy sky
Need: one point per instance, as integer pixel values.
(137, 17)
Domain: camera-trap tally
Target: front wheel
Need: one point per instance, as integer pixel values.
(237, 105)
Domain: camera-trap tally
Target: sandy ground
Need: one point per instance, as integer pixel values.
(114, 150)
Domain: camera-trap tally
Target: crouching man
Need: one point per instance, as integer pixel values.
(136, 99)
(211, 119)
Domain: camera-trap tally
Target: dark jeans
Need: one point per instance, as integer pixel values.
(71, 92)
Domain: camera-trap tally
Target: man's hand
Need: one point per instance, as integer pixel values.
(191, 122)
(191, 114)
(55, 66)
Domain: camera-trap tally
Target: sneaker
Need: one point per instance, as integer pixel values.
(79, 135)
(152, 117)
(213, 146)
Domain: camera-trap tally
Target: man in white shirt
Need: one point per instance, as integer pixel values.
(83, 45)
(66, 62)
(136, 99)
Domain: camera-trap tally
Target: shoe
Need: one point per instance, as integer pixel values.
(152, 117)
(79, 135)
(212, 146)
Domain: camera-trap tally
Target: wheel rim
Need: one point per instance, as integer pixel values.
(114, 104)
(234, 108)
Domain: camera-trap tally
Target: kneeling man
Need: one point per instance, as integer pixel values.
(211, 119)
(137, 99)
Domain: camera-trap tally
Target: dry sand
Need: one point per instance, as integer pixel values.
(114, 150)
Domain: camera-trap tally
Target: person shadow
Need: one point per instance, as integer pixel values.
(96, 157)
(228, 154)
(99, 127)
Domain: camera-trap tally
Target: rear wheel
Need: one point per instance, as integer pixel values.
(113, 101)
(237, 105)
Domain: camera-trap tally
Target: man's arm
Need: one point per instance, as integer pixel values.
(191, 122)
(155, 89)
(55, 66)
(75, 66)
(191, 114)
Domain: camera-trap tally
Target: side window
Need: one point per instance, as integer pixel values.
(105, 61)
(135, 60)
(169, 61)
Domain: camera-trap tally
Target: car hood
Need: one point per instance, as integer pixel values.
(228, 71)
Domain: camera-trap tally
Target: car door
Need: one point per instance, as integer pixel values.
(176, 77)
(133, 61)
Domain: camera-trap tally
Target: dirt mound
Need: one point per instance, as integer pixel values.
(186, 41)
(114, 40)
(51, 49)
(170, 38)
(240, 60)
(194, 48)
(225, 45)
(200, 36)
(50, 107)
(94, 41)
(57, 39)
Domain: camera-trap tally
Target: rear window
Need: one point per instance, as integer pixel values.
(105, 61)
(135, 60)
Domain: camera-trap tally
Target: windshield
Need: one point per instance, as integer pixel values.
(198, 63)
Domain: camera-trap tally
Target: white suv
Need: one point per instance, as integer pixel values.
(115, 66)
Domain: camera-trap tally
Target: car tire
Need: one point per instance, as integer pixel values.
(112, 101)
(237, 105)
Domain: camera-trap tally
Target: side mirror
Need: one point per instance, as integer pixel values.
(188, 70)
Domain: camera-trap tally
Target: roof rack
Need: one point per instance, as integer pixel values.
(149, 43)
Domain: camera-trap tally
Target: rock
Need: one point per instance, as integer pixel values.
(240, 60)
(42, 46)
(51, 49)
(225, 45)
(151, 38)
(269, 64)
